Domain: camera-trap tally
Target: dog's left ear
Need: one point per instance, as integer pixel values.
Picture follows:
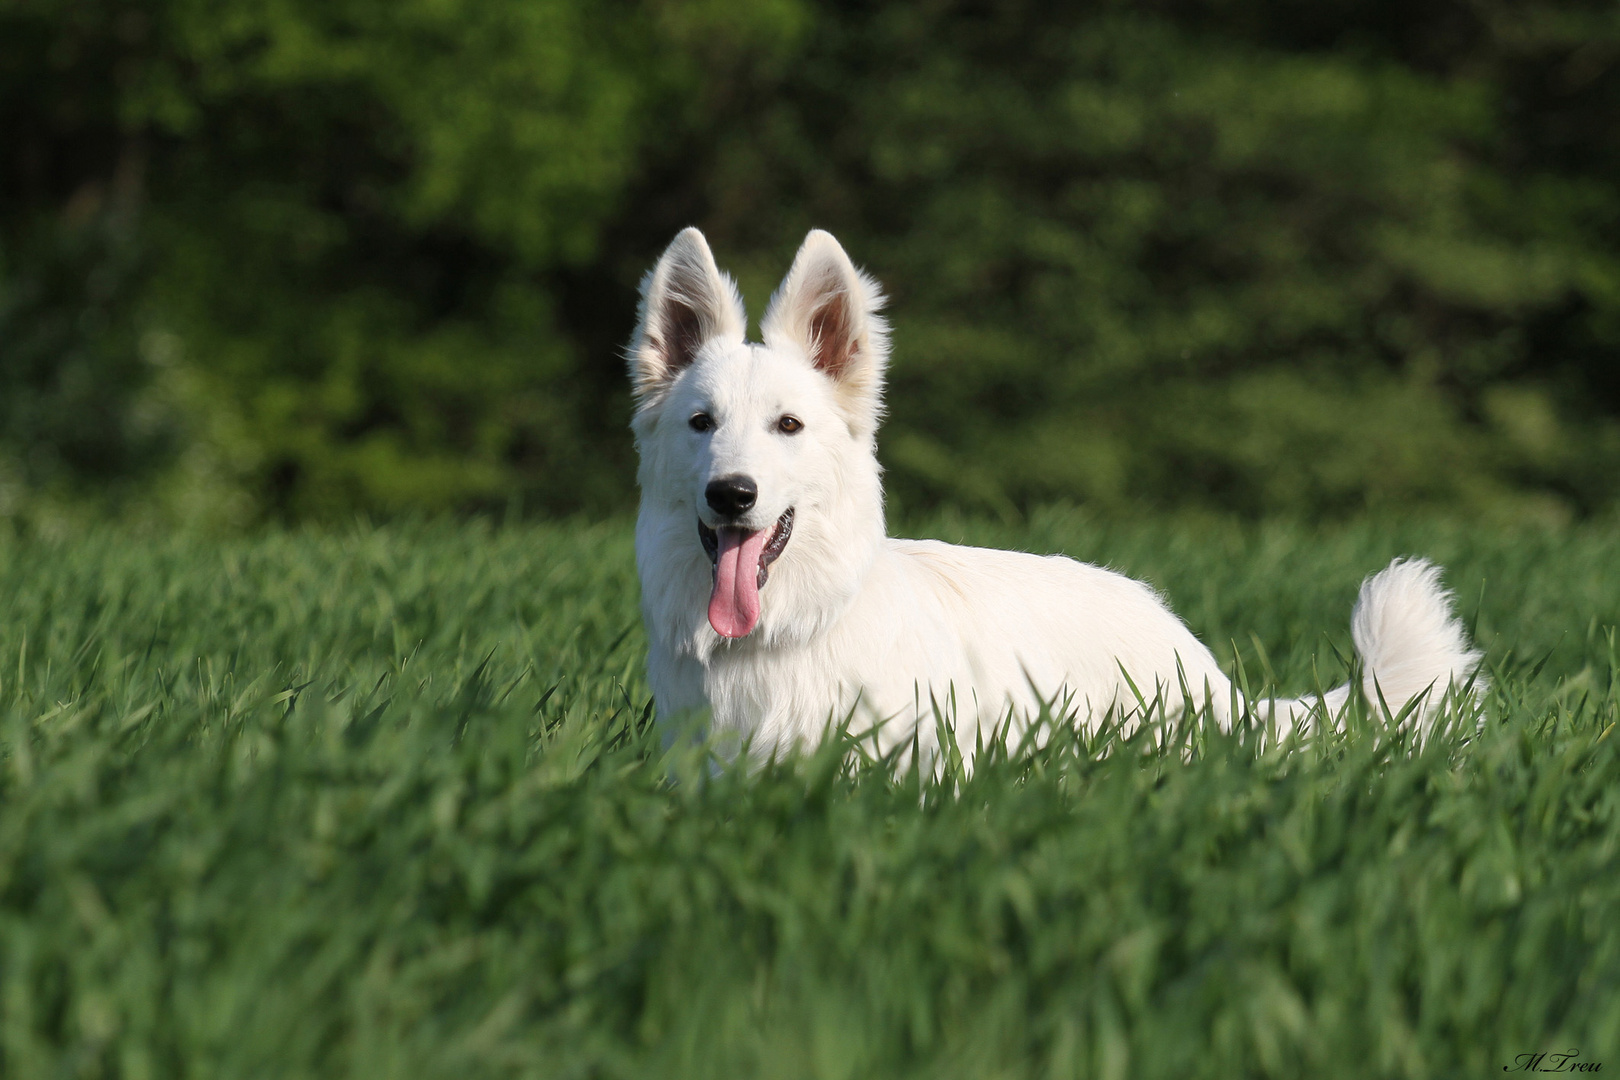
(830, 310)
(686, 302)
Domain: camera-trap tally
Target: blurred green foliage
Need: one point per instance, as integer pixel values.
(1262, 256)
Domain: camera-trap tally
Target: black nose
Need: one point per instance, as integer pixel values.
(731, 496)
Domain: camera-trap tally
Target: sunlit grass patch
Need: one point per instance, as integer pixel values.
(391, 802)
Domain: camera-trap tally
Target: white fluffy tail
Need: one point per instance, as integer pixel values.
(1412, 645)
(1410, 641)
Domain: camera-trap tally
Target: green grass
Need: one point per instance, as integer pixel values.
(385, 802)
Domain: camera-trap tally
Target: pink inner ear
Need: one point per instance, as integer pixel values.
(832, 338)
(682, 334)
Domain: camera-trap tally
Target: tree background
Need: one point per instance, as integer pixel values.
(283, 259)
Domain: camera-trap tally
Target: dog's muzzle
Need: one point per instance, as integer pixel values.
(710, 538)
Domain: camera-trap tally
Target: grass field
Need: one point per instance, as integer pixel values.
(385, 802)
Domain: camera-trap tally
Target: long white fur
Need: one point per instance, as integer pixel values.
(854, 623)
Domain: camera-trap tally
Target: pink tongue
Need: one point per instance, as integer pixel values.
(734, 606)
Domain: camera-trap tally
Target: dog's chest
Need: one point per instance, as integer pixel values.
(777, 696)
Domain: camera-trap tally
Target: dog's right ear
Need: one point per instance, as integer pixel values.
(685, 302)
(829, 309)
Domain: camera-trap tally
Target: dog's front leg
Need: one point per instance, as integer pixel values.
(677, 686)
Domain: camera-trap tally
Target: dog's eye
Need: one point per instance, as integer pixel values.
(700, 422)
(790, 425)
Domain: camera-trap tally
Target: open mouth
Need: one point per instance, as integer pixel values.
(742, 561)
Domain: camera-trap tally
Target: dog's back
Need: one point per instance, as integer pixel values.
(1032, 630)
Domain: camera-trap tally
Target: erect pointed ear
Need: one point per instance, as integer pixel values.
(830, 310)
(685, 302)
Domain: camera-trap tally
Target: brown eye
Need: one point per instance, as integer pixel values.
(790, 425)
(700, 422)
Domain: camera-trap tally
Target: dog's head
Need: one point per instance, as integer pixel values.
(767, 449)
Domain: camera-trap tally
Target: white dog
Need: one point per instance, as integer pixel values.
(776, 603)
